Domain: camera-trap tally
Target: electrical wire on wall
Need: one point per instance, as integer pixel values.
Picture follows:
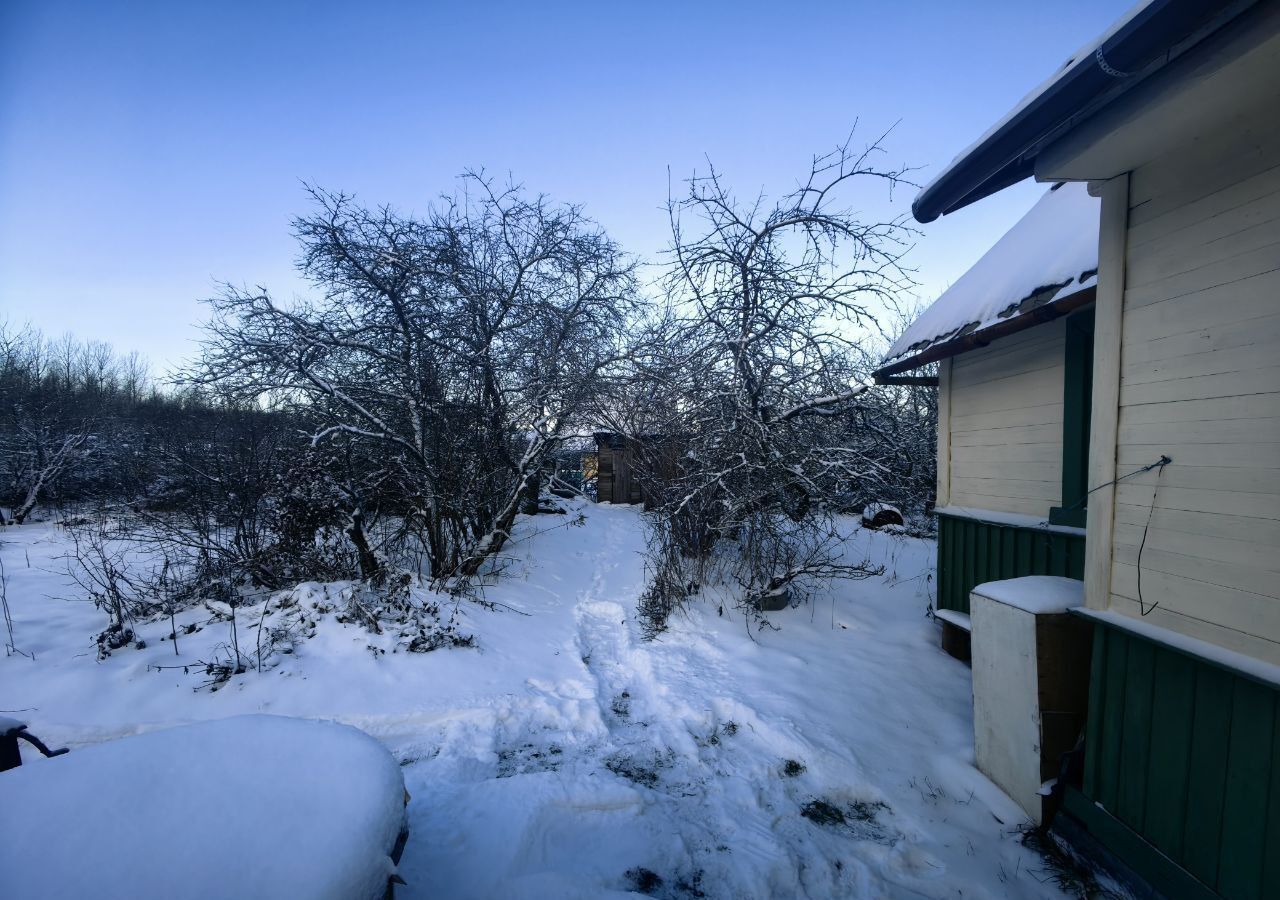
(1045, 525)
(1155, 489)
(1159, 464)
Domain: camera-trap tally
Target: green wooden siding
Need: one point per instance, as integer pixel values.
(1077, 394)
(971, 553)
(1184, 753)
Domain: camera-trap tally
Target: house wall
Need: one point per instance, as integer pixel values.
(1181, 762)
(1005, 414)
(972, 551)
(1180, 751)
(1199, 366)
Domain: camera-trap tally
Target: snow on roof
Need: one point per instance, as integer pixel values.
(251, 806)
(1055, 245)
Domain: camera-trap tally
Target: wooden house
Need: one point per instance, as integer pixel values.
(1147, 396)
(1013, 343)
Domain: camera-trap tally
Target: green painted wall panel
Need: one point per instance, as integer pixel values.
(1169, 756)
(1109, 744)
(1093, 724)
(1244, 802)
(1135, 749)
(1271, 850)
(980, 542)
(972, 552)
(1185, 754)
(1212, 724)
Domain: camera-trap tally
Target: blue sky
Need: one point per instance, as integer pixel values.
(149, 149)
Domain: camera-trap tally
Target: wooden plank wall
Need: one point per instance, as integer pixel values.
(1186, 754)
(1200, 382)
(605, 479)
(1006, 423)
(616, 480)
(971, 553)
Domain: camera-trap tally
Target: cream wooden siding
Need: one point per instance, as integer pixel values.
(1006, 423)
(1200, 381)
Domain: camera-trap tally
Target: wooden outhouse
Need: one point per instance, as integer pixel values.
(617, 476)
(1160, 420)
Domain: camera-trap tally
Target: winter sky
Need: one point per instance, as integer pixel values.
(148, 150)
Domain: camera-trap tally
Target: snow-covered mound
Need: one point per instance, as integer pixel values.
(1055, 245)
(246, 807)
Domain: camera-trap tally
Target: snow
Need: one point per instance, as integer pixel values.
(1084, 56)
(954, 617)
(1055, 243)
(564, 752)
(1251, 666)
(1037, 594)
(250, 806)
(1017, 520)
(7, 725)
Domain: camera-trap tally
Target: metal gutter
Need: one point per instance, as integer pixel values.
(1137, 47)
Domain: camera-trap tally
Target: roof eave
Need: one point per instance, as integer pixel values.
(975, 339)
(1140, 46)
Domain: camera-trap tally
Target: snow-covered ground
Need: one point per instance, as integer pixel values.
(565, 757)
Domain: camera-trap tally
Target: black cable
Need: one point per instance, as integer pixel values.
(1159, 463)
(1045, 527)
(1164, 461)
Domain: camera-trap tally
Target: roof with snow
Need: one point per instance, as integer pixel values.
(1050, 256)
(1138, 45)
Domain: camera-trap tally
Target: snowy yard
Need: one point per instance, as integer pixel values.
(565, 757)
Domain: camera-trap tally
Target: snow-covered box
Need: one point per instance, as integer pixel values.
(1030, 682)
(246, 807)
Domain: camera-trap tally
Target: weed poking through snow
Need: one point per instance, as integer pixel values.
(644, 881)
(859, 819)
(792, 768)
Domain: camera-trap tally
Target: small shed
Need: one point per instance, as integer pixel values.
(617, 470)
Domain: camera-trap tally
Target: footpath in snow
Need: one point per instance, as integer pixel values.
(566, 757)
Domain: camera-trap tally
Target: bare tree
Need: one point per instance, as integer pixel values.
(52, 398)
(754, 369)
(449, 352)
(49, 455)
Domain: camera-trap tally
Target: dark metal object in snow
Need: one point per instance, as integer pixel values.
(878, 515)
(10, 757)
